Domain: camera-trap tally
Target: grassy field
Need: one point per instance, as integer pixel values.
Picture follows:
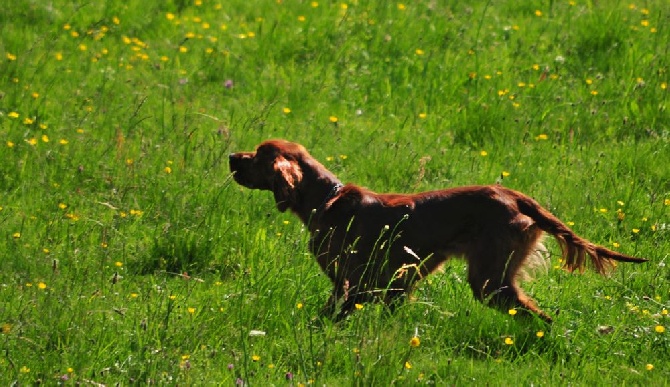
(128, 255)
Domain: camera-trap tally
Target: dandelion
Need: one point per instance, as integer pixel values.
(512, 312)
(414, 342)
(45, 138)
(483, 153)
(28, 121)
(24, 370)
(659, 329)
(538, 13)
(616, 245)
(539, 334)
(16, 235)
(542, 137)
(301, 18)
(509, 341)
(191, 310)
(314, 4)
(299, 305)
(286, 110)
(333, 119)
(594, 92)
(167, 170)
(408, 365)
(255, 358)
(419, 52)
(183, 49)
(422, 115)
(118, 264)
(649, 367)
(63, 141)
(41, 285)
(635, 230)
(10, 144)
(505, 174)
(359, 306)
(6, 328)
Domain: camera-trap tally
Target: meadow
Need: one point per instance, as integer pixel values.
(129, 256)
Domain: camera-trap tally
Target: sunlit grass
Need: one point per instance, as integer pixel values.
(129, 255)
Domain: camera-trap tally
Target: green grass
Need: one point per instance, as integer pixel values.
(127, 254)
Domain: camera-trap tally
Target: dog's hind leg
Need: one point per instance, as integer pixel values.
(493, 269)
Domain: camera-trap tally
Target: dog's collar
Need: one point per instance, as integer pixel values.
(331, 194)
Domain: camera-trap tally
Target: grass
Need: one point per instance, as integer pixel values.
(127, 255)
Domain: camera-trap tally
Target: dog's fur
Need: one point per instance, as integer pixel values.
(376, 246)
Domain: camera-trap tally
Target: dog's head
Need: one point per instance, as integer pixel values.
(274, 166)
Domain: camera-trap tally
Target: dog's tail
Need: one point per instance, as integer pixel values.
(574, 248)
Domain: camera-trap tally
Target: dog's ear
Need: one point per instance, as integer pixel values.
(287, 176)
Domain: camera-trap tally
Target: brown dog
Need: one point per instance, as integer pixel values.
(376, 246)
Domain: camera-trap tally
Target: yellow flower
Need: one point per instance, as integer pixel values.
(28, 121)
(167, 170)
(255, 358)
(538, 13)
(408, 365)
(191, 310)
(539, 334)
(422, 115)
(509, 341)
(414, 342)
(169, 16)
(512, 312)
(649, 367)
(419, 51)
(13, 115)
(301, 18)
(24, 370)
(42, 285)
(333, 119)
(505, 173)
(63, 141)
(11, 56)
(16, 235)
(45, 138)
(299, 305)
(10, 144)
(401, 6)
(542, 137)
(659, 329)
(286, 110)
(359, 306)
(483, 153)
(118, 264)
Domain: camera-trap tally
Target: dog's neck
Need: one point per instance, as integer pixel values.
(314, 206)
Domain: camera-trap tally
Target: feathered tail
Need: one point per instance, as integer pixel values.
(575, 249)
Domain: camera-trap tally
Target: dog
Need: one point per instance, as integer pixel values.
(377, 246)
